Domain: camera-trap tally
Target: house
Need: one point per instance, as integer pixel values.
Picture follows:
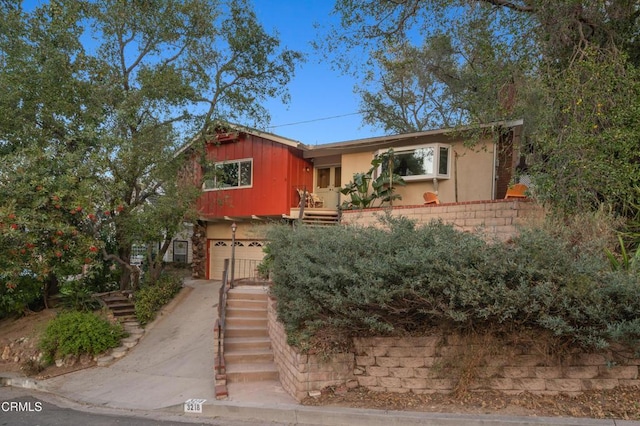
(252, 177)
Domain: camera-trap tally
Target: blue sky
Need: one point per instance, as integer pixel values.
(317, 91)
(323, 107)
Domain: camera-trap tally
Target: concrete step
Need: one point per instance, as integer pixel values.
(239, 321)
(232, 344)
(254, 372)
(247, 304)
(235, 312)
(248, 356)
(247, 294)
(232, 332)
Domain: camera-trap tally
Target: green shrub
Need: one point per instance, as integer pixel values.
(78, 296)
(151, 297)
(405, 279)
(16, 296)
(77, 333)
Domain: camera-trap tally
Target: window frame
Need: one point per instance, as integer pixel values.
(224, 188)
(436, 163)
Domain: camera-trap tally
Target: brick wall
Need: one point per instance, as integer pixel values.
(300, 373)
(436, 364)
(499, 218)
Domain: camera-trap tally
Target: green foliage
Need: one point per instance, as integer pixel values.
(407, 279)
(626, 262)
(153, 296)
(77, 333)
(17, 295)
(266, 264)
(88, 136)
(569, 68)
(377, 184)
(76, 295)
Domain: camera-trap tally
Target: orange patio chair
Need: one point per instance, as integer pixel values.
(516, 191)
(430, 198)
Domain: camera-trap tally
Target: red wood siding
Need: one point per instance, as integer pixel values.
(277, 171)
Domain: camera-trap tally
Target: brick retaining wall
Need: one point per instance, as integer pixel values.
(499, 218)
(300, 373)
(436, 363)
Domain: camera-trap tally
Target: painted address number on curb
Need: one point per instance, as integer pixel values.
(194, 405)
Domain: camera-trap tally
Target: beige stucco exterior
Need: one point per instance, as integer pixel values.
(471, 172)
(246, 230)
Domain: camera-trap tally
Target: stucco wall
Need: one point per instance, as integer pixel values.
(471, 174)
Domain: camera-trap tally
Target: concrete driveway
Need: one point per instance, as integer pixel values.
(169, 365)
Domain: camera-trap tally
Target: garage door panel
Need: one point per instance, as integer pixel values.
(248, 253)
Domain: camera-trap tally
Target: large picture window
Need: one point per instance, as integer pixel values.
(230, 174)
(421, 162)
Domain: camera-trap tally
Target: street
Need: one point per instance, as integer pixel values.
(24, 407)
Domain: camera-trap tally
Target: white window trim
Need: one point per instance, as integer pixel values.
(239, 160)
(436, 164)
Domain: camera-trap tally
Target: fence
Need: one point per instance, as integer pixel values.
(245, 270)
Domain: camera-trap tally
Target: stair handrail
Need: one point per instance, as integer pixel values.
(222, 309)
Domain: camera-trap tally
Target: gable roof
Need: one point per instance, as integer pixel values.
(230, 128)
(355, 145)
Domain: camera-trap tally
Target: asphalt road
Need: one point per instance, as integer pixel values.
(23, 407)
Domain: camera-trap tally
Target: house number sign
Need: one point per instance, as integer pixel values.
(194, 405)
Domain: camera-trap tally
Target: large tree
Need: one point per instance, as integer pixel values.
(568, 67)
(96, 99)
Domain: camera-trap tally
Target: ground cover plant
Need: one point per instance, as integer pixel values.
(78, 333)
(153, 296)
(405, 279)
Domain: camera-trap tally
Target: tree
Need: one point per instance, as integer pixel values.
(159, 61)
(569, 68)
(96, 126)
(47, 130)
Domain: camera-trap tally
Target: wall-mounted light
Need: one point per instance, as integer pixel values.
(307, 169)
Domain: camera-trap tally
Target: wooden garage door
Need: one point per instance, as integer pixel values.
(248, 254)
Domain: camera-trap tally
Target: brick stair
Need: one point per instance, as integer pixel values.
(247, 348)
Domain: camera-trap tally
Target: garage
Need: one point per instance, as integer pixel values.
(248, 254)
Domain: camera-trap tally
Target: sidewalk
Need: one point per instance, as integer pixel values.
(173, 363)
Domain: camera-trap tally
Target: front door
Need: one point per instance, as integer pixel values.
(328, 183)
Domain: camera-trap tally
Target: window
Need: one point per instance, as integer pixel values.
(230, 174)
(180, 251)
(421, 162)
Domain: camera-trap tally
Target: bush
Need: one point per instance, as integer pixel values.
(406, 279)
(17, 296)
(151, 297)
(78, 296)
(78, 333)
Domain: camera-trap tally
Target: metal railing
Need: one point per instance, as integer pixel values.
(222, 314)
(245, 271)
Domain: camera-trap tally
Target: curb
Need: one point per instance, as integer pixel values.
(7, 379)
(335, 416)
